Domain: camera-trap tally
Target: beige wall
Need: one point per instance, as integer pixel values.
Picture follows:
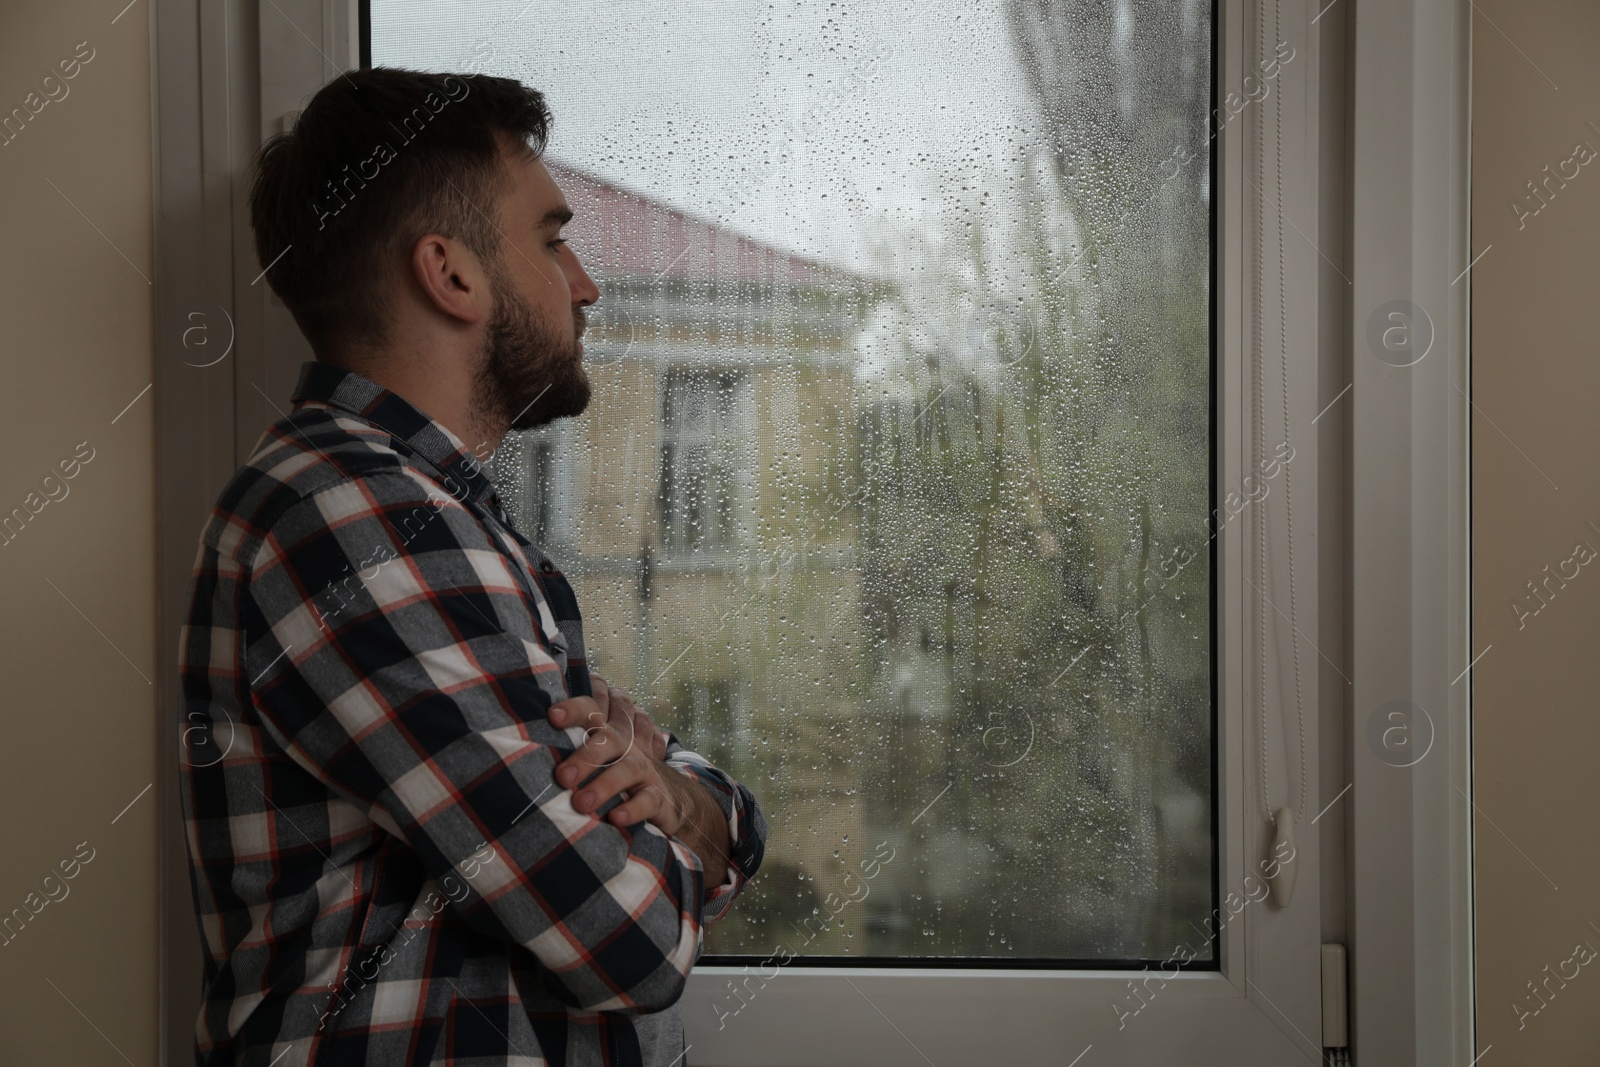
(77, 580)
(1536, 489)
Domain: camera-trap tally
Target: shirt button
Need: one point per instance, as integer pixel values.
(547, 567)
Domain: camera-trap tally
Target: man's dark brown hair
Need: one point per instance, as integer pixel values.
(378, 158)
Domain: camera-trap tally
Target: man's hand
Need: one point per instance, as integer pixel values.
(624, 746)
(652, 792)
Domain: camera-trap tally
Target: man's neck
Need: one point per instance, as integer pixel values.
(440, 392)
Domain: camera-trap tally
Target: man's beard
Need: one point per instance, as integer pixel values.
(530, 374)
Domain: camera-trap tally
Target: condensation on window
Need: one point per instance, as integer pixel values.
(892, 493)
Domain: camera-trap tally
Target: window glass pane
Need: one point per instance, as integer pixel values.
(893, 491)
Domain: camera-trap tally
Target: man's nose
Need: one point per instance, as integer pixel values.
(584, 290)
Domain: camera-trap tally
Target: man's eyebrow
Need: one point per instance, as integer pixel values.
(558, 215)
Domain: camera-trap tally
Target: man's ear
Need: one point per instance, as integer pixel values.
(450, 277)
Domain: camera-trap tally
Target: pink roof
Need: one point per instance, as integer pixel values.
(618, 231)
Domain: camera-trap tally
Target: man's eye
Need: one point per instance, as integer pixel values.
(558, 242)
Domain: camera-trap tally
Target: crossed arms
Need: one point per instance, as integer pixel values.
(427, 701)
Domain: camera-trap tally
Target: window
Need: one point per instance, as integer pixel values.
(981, 378)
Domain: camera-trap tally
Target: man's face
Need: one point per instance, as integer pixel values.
(532, 368)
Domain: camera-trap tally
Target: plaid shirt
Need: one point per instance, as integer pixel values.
(383, 868)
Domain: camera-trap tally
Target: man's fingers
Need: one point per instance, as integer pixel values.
(621, 710)
(655, 806)
(622, 727)
(646, 806)
(609, 705)
(626, 774)
(570, 771)
(577, 711)
(602, 749)
(644, 726)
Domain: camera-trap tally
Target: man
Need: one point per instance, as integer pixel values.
(416, 834)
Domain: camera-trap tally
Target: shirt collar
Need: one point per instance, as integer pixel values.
(345, 390)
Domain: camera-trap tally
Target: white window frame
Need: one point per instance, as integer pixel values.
(225, 77)
(904, 1016)
(1411, 989)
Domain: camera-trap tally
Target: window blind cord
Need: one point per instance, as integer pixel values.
(1288, 472)
(1260, 431)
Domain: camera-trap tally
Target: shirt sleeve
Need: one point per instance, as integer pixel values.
(394, 655)
(747, 827)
